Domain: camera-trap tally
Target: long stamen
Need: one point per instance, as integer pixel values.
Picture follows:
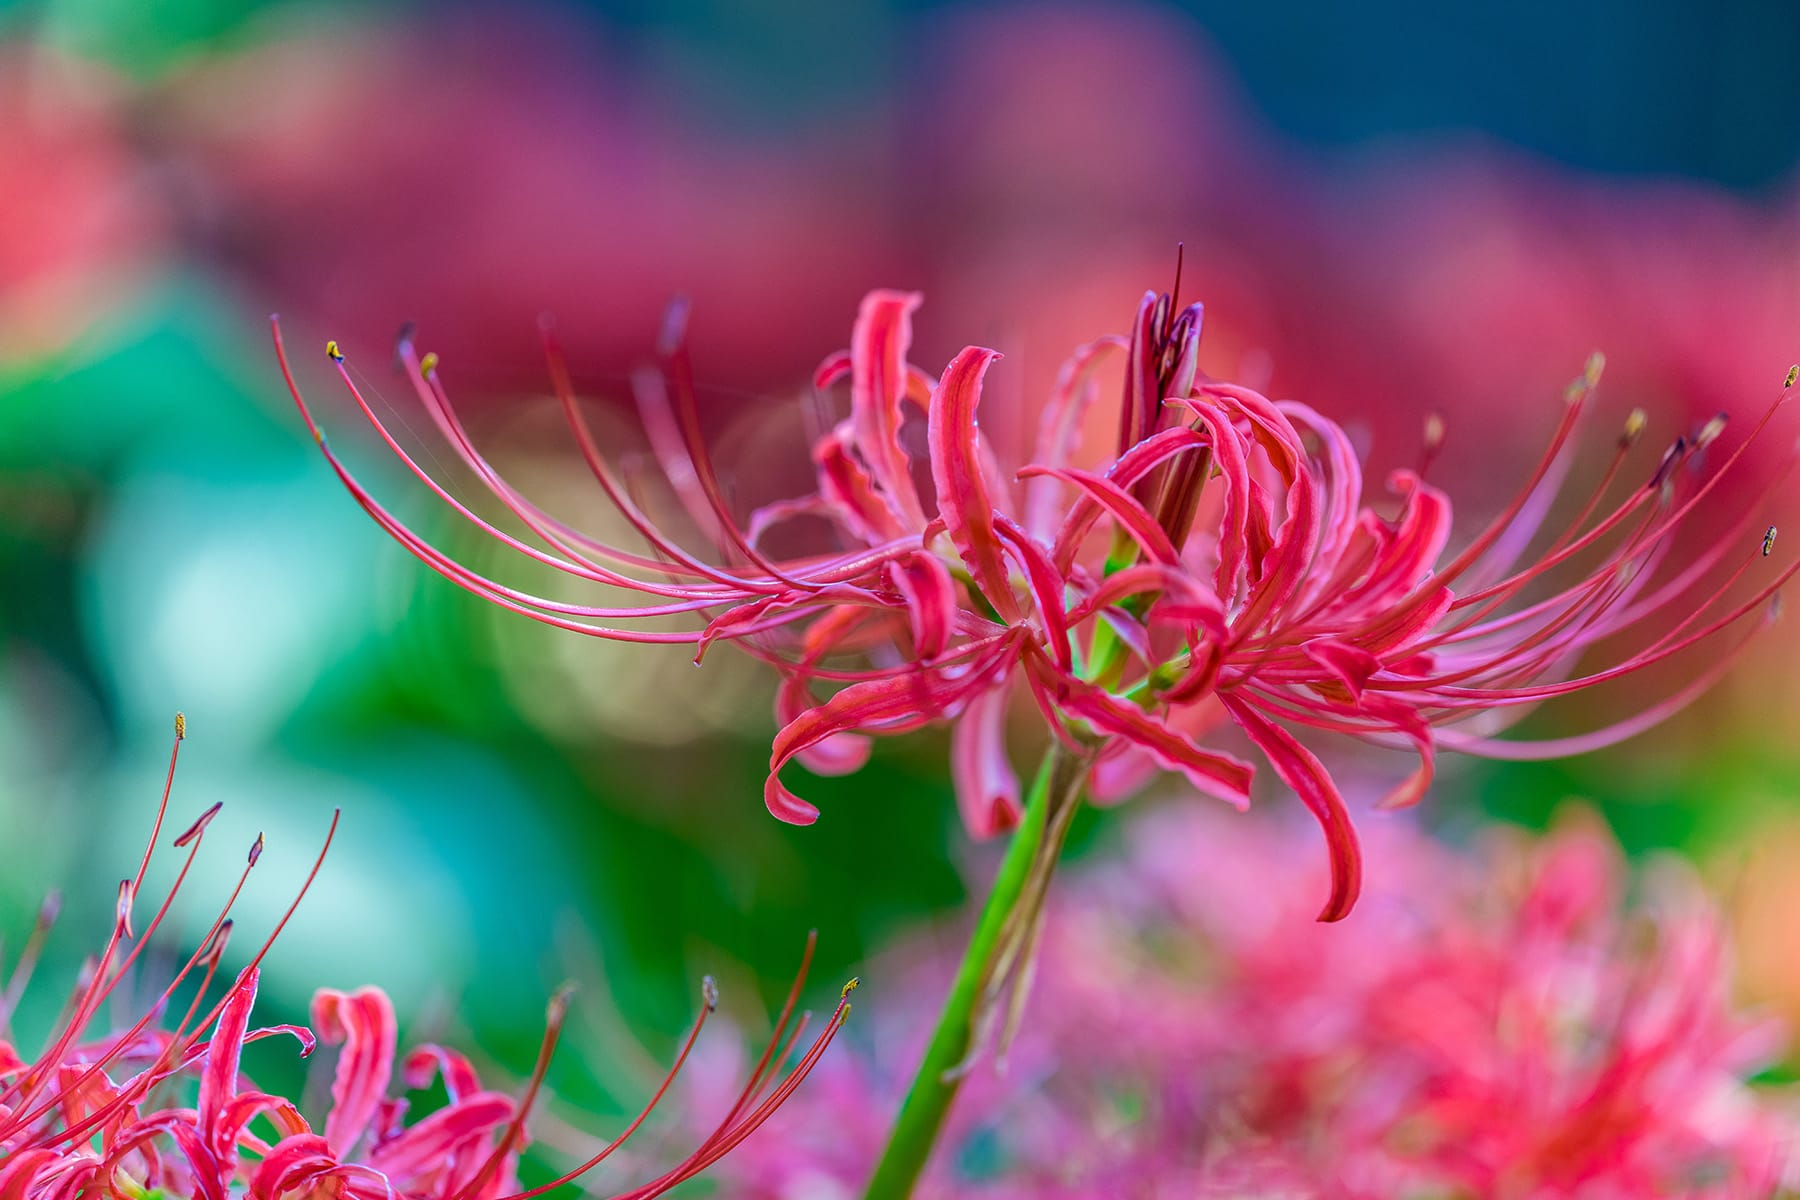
(1575, 401)
(162, 806)
(22, 1090)
(211, 947)
(427, 383)
(1676, 513)
(787, 1011)
(749, 1125)
(737, 1123)
(1664, 650)
(1543, 749)
(725, 1139)
(288, 913)
(28, 958)
(615, 492)
(23, 1118)
(678, 367)
(576, 564)
(554, 1017)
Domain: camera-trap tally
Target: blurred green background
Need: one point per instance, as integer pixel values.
(1387, 215)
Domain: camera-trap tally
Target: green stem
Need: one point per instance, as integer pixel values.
(1057, 787)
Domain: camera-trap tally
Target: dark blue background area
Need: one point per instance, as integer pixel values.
(1658, 88)
(1711, 91)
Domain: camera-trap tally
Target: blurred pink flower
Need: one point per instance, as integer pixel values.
(1494, 1024)
(102, 1113)
(81, 226)
(1224, 564)
(1026, 179)
(322, 157)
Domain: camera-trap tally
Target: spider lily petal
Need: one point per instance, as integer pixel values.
(987, 787)
(364, 1023)
(963, 495)
(879, 343)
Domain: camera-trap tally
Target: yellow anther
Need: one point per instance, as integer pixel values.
(1590, 374)
(333, 353)
(1635, 423)
(428, 364)
(181, 721)
(1793, 374)
(1709, 432)
(1768, 541)
(854, 983)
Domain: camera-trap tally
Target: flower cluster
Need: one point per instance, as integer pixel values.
(1494, 1024)
(1222, 565)
(152, 1110)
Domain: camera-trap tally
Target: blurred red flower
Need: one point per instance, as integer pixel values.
(1499, 1023)
(477, 170)
(81, 225)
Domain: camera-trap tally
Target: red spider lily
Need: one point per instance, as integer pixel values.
(104, 1114)
(1224, 564)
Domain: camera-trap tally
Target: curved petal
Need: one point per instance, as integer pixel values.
(878, 380)
(987, 788)
(1301, 770)
(458, 1074)
(838, 754)
(439, 1136)
(848, 491)
(890, 703)
(364, 1021)
(1217, 774)
(1047, 588)
(20, 1172)
(219, 1078)
(1349, 665)
(925, 583)
(1059, 429)
(1124, 508)
(965, 504)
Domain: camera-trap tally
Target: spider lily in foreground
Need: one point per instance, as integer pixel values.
(1222, 565)
(108, 1113)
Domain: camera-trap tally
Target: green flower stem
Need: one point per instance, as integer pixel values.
(1053, 795)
